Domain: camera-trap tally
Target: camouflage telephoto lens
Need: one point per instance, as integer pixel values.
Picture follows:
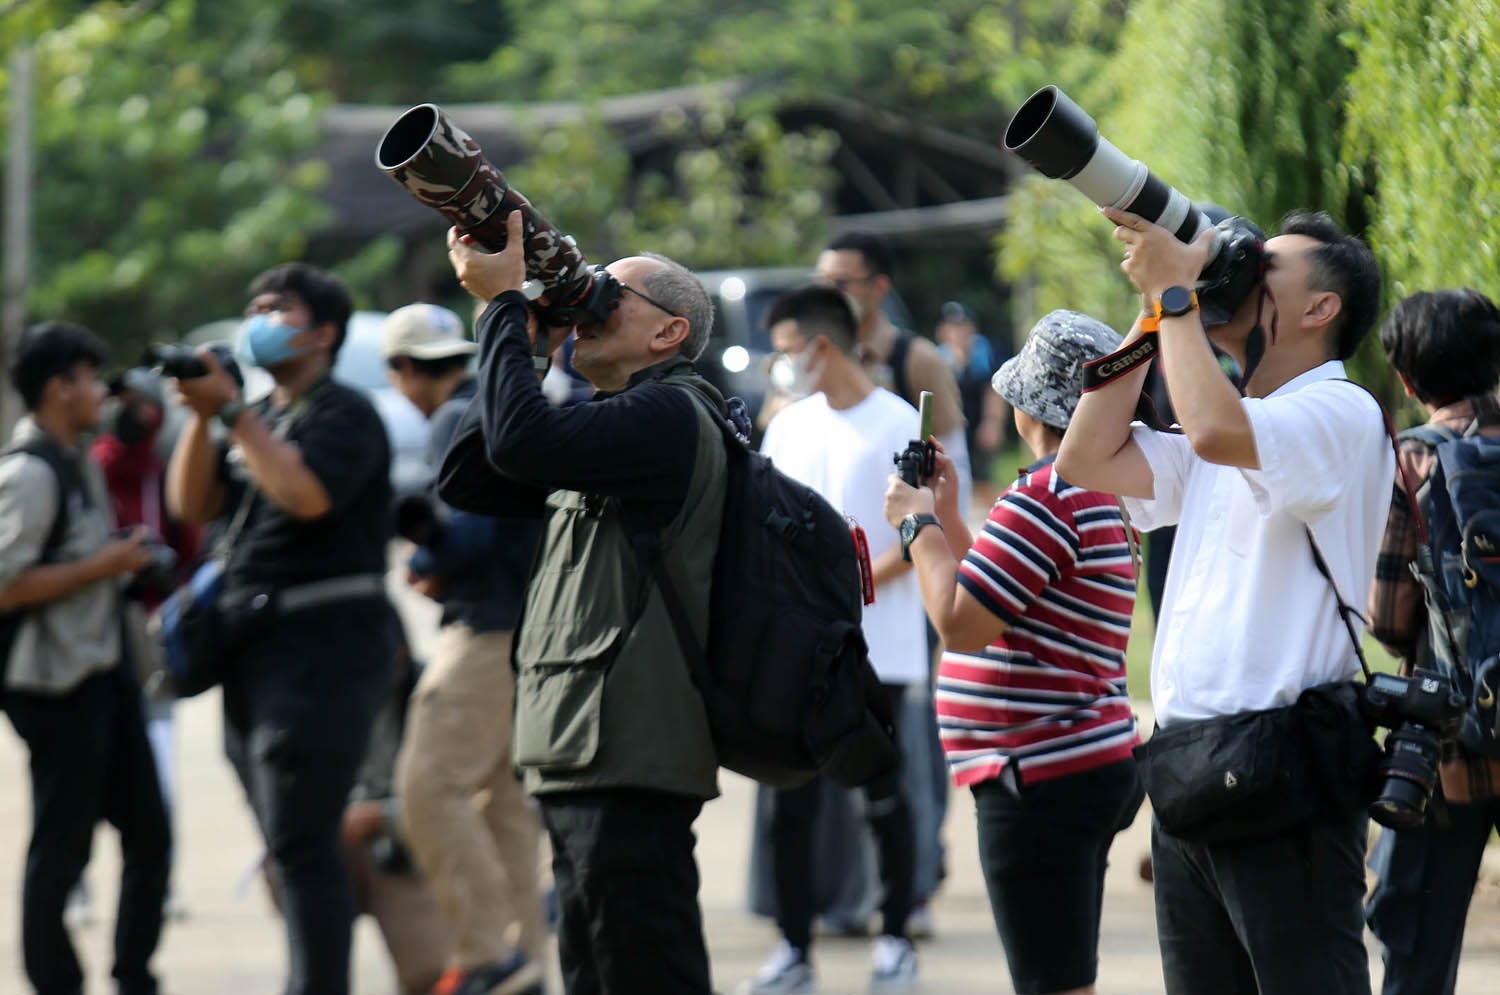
(440, 165)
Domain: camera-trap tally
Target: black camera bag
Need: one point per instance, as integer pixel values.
(1255, 774)
(1252, 775)
(1230, 778)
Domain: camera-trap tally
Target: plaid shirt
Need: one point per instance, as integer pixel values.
(1398, 613)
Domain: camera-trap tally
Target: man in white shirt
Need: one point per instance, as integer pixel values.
(1247, 620)
(840, 440)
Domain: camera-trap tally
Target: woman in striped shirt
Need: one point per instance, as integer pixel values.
(1034, 614)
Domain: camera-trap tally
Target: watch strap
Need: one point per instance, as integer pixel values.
(230, 413)
(909, 535)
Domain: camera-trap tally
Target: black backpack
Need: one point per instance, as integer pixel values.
(69, 483)
(786, 675)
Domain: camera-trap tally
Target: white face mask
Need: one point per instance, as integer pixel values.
(797, 374)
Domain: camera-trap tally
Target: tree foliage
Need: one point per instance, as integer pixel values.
(1245, 112)
(1424, 121)
(170, 167)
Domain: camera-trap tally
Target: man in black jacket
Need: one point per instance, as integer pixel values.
(304, 486)
(621, 766)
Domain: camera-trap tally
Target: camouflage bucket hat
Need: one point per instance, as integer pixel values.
(1045, 378)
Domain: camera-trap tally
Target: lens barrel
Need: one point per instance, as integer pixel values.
(1410, 774)
(1054, 135)
(440, 165)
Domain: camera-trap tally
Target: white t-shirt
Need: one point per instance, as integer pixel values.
(1247, 621)
(847, 457)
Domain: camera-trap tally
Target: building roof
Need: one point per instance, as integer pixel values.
(896, 175)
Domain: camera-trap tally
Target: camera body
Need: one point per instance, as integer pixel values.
(1421, 711)
(915, 463)
(419, 519)
(182, 363)
(158, 578)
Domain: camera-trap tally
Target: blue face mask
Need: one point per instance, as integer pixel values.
(266, 343)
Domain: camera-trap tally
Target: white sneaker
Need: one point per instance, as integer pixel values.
(894, 964)
(787, 972)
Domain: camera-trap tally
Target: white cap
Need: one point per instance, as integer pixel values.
(424, 331)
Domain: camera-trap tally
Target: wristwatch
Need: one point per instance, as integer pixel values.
(1173, 303)
(910, 526)
(230, 413)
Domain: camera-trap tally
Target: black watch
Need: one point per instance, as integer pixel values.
(910, 526)
(1176, 301)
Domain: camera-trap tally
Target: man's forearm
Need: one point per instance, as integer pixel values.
(278, 470)
(194, 492)
(1099, 432)
(49, 582)
(1206, 404)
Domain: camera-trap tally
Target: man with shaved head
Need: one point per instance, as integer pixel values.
(609, 729)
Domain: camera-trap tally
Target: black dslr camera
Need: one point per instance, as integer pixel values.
(182, 363)
(158, 578)
(1421, 711)
(918, 460)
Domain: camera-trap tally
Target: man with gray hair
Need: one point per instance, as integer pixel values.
(609, 729)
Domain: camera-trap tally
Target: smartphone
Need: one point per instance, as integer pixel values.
(924, 419)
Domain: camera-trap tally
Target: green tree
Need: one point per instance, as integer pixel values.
(171, 167)
(1424, 121)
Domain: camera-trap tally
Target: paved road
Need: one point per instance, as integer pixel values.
(232, 944)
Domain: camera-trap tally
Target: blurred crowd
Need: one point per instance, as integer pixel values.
(538, 774)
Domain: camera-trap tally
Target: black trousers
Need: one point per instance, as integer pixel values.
(298, 707)
(90, 760)
(889, 817)
(1280, 916)
(1420, 903)
(627, 892)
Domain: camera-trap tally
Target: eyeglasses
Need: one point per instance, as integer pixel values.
(654, 303)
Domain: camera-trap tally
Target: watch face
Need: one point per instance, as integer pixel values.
(908, 529)
(1176, 300)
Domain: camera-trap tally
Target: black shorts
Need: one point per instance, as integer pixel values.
(1043, 855)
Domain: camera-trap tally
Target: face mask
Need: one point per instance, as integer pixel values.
(264, 342)
(802, 375)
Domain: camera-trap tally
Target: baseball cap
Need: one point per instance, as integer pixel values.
(424, 331)
(1045, 378)
(956, 311)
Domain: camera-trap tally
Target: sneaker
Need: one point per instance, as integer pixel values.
(919, 923)
(513, 976)
(894, 964)
(787, 972)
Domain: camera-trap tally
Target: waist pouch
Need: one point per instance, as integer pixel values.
(201, 629)
(1253, 775)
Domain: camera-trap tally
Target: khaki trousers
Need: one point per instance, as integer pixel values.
(415, 932)
(469, 824)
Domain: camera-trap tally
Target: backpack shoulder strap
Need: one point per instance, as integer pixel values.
(69, 482)
(1430, 435)
(900, 349)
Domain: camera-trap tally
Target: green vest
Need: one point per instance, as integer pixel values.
(604, 698)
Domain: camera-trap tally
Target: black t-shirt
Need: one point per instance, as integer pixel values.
(343, 443)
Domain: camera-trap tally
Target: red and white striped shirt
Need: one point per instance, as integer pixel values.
(1053, 561)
